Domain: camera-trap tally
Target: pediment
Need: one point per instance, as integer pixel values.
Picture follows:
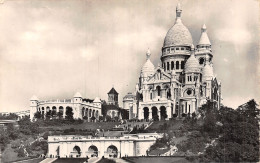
(159, 75)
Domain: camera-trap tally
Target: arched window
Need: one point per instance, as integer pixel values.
(177, 65)
(168, 66)
(158, 88)
(182, 64)
(201, 61)
(164, 67)
(172, 65)
(151, 95)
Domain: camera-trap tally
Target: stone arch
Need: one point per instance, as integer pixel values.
(42, 110)
(177, 65)
(90, 111)
(61, 111)
(201, 60)
(112, 151)
(76, 151)
(172, 65)
(182, 64)
(54, 110)
(113, 114)
(47, 109)
(155, 113)
(93, 113)
(96, 114)
(58, 151)
(146, 112)
(83, 112)
(93, 151)
(163, 112)
(158, 89)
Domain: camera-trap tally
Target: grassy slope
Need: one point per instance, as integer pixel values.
(158, 159)
(86, 125)
(9, 154)
(172, 126)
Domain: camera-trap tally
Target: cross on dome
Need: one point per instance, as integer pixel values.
(178, 11)
(148, 53)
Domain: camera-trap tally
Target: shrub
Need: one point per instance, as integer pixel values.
(174, 115)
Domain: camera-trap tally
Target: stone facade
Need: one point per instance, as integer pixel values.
(182, 82)
(82, 146)
(79, 106)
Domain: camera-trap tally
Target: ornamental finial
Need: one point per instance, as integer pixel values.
(148, 53)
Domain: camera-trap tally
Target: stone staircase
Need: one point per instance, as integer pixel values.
(48, 160)
(118, 160)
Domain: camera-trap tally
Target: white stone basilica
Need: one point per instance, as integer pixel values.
(184, 81)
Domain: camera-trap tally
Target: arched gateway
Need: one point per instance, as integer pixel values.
(112, 151)
(93, 151)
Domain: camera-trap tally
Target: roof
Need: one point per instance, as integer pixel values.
(97, 99)
(34, 98)
(129, 95)
(78, 95)
(111, 107)
(112, 91)
(207, 72)
(192, 64)
(178, 34)
(148, 67)
(204, 39)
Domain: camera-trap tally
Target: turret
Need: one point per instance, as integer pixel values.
(192, 68)
(77, 98)
(148, 68)
(33, 106)
(204, 52)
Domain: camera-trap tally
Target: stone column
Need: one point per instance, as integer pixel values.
(169, 111)
(64, 111)
(150, 114)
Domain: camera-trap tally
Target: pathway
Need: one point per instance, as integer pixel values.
(48, 160)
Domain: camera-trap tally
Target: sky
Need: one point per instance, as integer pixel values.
(53, 49)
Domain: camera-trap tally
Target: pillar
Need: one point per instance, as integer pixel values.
(150, 114)
(169, 112)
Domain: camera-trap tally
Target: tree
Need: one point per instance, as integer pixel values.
(93, 118)
(69, 113)
(38, 115)
(12, 132)
(60, 115)
(238, 136)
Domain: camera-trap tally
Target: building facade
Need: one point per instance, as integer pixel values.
(112, 97)
(81, 108)
(83, 146)
(128, 101)
(182, 82)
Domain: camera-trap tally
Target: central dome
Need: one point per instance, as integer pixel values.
(178, 34)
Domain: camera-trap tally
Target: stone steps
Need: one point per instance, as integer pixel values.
(48, 160)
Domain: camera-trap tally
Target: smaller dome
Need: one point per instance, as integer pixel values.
(192, 64)
(77, 95)
(129, 96)
(97, 100)
(34, 98)
(207, 72)
(148, 67)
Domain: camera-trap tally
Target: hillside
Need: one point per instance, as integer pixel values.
(212, 135)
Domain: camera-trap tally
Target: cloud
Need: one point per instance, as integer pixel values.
(55, 48)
